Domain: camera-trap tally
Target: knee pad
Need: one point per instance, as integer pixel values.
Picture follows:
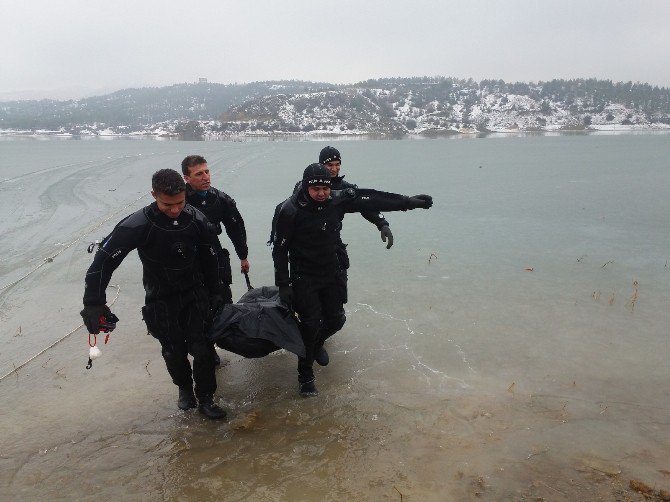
(334, 324)
(176, 364)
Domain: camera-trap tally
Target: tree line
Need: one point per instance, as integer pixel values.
(135, 108)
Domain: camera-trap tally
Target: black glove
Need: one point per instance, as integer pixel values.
(286, 295)
(91, 316)
(216, 303)
(420, 201)
(386, 234)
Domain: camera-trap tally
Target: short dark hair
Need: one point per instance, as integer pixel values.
(167, 182)
(190, 161)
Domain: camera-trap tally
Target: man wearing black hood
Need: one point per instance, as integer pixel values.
(330, 157)
(307, 237)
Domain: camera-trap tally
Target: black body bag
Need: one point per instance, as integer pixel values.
(257, 325)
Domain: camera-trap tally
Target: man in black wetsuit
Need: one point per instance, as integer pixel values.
(307, 237)
(219, 208)
(331, 158)
(180, 276)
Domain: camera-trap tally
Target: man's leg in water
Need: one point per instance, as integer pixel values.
(162, 323)
(307, 304)
(333, 299)
(333, 319)
(192, 320)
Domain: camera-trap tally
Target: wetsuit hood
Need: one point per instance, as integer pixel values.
(329, 154)
(315, 175)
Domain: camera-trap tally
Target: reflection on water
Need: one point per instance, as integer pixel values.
(512, 344)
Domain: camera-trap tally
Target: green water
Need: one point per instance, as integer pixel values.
(512, 343)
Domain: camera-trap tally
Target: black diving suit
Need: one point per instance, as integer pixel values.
(220, 208)
(307, 236)
(180, 274)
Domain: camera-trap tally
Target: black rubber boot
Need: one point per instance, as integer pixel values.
(321, 356)
(211, 410)
(186, 398)
(308, 389)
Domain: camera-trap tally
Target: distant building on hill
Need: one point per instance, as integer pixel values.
(202, 80)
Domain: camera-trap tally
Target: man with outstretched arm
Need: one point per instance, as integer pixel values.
(181, 282)
(330, 157)
(306, 239)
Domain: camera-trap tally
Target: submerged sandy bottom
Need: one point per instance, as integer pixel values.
(388, 422)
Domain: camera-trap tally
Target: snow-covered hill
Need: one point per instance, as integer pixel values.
(416, 106)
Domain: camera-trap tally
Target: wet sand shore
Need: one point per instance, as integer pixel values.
(386, 424)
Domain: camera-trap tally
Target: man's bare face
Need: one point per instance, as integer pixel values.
(333, 167)
(170, 205)
(319, 193)
(198, 178)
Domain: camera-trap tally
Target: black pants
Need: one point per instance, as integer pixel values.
(179, 324)
(318, 301)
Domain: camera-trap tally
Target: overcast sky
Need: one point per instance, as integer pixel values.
(77, 48)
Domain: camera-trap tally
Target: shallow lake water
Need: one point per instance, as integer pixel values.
(512, 345)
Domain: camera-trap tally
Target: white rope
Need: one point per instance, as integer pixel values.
(49, 259)
(17, 368)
